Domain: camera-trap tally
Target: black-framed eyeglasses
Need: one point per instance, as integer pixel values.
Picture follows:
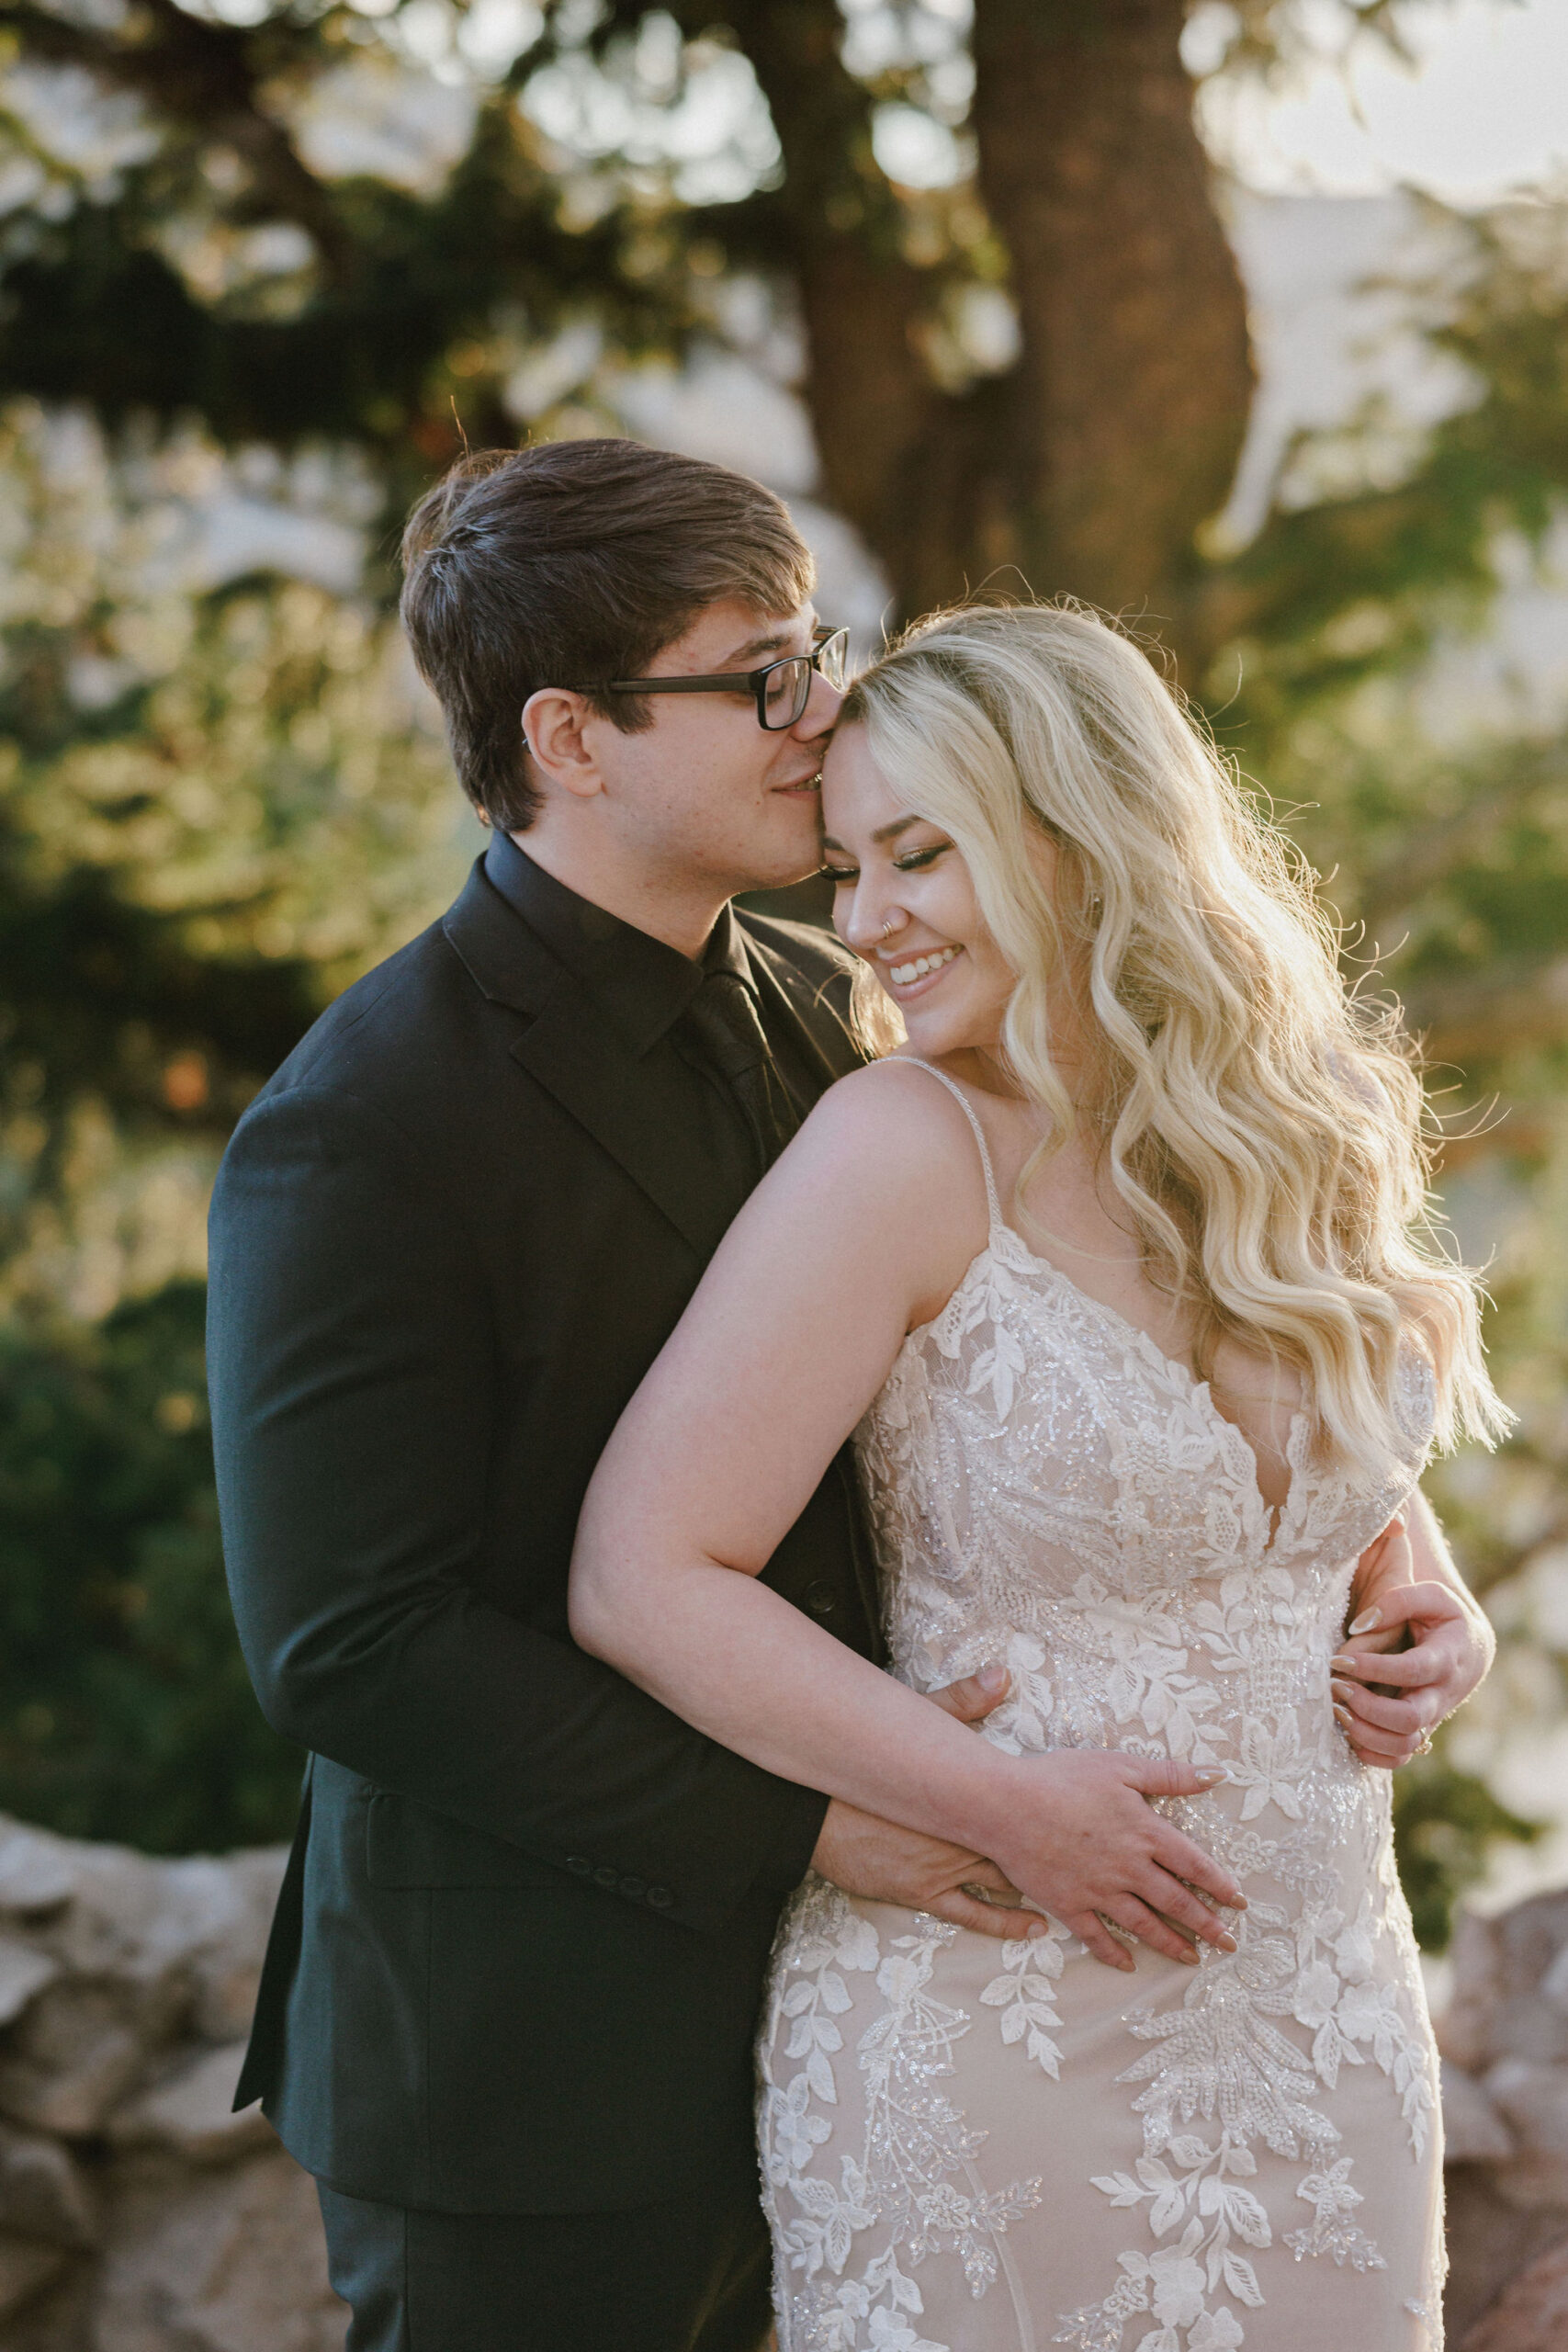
(782, 689)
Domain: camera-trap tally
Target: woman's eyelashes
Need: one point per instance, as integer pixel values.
(913, 861)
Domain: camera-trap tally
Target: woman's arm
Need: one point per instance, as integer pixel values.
(1390, 1699)
(862, 1230)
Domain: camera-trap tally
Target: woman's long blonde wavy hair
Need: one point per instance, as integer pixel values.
(1262, 1124)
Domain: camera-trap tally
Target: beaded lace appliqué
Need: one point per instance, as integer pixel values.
(1046, 1487)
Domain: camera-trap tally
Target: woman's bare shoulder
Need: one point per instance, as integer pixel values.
(894, 1100)
(893, 1138)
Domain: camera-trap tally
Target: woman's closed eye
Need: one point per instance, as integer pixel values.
(913, 861)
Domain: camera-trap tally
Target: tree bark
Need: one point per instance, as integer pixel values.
(1090, 465)
(1132, 396)
(837, 227)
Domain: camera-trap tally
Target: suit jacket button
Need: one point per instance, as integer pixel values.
(606, 1876)
(634, 1888)
(578, 1864)
(660, 1897)
(821, 1599)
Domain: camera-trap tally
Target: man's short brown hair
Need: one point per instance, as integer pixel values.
(570, 563)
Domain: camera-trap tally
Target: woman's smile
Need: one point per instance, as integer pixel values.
(904, 974)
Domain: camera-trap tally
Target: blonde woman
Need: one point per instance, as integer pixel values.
(1117, 1268)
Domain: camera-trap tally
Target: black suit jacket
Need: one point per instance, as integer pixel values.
(516, 1961)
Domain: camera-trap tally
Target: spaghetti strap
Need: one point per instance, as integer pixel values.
(913, 1061)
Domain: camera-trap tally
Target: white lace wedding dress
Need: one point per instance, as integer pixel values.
(970, 2146)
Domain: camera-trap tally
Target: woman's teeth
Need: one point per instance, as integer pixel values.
(902, 973)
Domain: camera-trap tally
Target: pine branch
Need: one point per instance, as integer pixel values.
(205, 79)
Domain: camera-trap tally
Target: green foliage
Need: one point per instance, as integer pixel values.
(125, 1711)
(1445, 1824)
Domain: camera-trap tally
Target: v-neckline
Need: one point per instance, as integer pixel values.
(1276, 1515)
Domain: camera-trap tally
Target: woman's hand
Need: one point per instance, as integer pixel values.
(1418, 1646)
(1083, 1842)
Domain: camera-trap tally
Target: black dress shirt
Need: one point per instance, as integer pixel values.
(647, 988)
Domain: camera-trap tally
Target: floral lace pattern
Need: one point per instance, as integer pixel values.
(1046, 1487)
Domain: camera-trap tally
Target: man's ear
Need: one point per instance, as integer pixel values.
(553, 723)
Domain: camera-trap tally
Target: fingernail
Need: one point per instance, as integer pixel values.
(1341, 1666)
(1342, 1689)
(1342, 1716)
(1228, 1943)
(1237, 1901)
(1367, 1622)
(1212, 1774)
(1190, 1958)
(992, 1676)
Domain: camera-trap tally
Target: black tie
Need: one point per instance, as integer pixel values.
(724, 1018)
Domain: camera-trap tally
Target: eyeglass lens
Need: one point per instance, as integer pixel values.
(786, 692)
(788, 689)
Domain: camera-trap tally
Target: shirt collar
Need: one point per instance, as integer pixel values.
(643, 984)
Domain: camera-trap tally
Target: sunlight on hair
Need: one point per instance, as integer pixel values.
(1263, 1124)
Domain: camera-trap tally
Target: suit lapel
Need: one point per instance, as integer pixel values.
(573, 1048)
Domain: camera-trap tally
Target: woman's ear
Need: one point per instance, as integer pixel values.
(554, 726)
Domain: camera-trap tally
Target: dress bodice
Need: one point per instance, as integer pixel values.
(1042, 1477)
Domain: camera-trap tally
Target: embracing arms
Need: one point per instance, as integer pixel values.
(356, 1395)
(848, 1242)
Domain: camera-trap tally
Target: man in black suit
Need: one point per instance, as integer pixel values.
(507, 2012)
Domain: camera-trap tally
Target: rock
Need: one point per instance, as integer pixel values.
(23, 1970)
(229, 2258)
(190, 2111)
(26, 2268)
(1474, 2131)
(1533, 2100)
(77, 2053)
(1554, 1983)
(1498, 2007)
(229, 1906)
(1531, 2314)
(59, 2319)
(44, 2192)
(1490, 2241)
(38, 1872)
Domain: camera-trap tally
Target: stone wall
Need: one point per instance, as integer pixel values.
(1505, 2043)
(136, 2214)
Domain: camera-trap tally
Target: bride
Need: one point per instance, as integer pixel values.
(1117, 1270)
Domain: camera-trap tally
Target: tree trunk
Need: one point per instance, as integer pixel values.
(1131, 398)
(1091, 464)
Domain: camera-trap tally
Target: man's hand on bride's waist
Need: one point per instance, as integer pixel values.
(883, 1863)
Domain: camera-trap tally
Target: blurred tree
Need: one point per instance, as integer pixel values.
(367, 229)
(124, 1708)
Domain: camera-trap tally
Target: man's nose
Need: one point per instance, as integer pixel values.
(823, 705)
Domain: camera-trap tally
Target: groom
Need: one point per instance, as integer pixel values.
(507, 2013)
